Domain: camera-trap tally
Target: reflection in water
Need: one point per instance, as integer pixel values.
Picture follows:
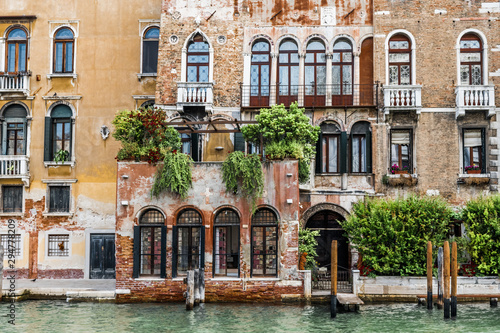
(58, 316)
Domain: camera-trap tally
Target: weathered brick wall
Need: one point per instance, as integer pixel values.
(208, 194)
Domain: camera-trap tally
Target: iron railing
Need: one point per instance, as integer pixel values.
(322, 281)
(312, 95)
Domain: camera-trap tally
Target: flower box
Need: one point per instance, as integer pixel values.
(474, 171)
(400, 172)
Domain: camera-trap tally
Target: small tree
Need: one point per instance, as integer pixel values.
(286, 133)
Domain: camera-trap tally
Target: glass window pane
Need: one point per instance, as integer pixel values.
(332, 154)
(22, 57)
(469, 44)
(203, 72)
(294, 58)
(470, 57)
(399, 44)
(309, 57)
(405, 74)
(399, 57)
(152, 33)
(260, 47)
(464, 74)
(336, 57)
(283, 58)
(476, 75)
(355, 154)
(346, 57)
(342, 45)
(18, 34)
(347, 80)
(315, 45)
(393, 75)
(69, 57)
(64, 33)
(11, 66)
(59, 57)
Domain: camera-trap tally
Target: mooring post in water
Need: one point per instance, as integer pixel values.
(333, 297)
(493, 302)
(446, 282)
(440, 279)
(201, 285)
(196, 287)
(454, 273)
(429, 275)
(190, 290)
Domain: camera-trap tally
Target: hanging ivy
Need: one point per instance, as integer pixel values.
(174, 175)
(243, 174)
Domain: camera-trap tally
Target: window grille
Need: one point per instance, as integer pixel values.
(58, 245)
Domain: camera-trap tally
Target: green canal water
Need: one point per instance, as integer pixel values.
(59, 316)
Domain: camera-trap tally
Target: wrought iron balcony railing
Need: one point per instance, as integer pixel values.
(326, 95)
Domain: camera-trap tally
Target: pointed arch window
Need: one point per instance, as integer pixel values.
(471, 60)
(63, 51)
(17, 50)
(342, 73)
(260, 76)
(150, 41)
(198, 60)
(288, 73)
(264, 243)
(400, 60)
(315, 74)
(226, 243)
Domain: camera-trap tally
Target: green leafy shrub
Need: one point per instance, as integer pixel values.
(61, 156)
(144, 135)
(482, 223)
(244, 173)
(392, 235)
(174, 175)
(308, 244)
(286, 133)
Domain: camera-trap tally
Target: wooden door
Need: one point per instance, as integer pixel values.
(102, 256)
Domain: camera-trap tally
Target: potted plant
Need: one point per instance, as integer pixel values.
(395, 169)
(473, 169)
(61, 156)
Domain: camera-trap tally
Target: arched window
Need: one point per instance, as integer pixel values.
(188, 242)
(329, 155)
(227, 243)
(361, 147)
(399, 60)
(17, 50)
(14, 130)
(342, 73)
(471, 60)
(315, 74)
(264, 243)
(63, 51)
(288, 73)
(58, 133)
(198, 60)
(150, 41)
(260, 73)
(150, 244)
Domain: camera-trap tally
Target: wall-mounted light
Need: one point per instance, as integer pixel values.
(219, 148)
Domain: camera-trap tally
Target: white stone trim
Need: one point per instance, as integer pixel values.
(485, 54)
(413, 54)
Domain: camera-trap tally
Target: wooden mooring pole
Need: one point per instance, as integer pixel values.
(454, 273)
(190, 290)
(333, 297)
(429, 275)
(446, 282)
(440, 279)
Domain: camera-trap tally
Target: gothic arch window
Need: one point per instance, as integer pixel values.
(198, 60)
(59, 128)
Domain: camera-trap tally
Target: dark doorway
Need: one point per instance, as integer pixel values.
(102, 256)
(327, 222)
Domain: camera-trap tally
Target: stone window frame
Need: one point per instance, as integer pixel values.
(27, 126)
(5, 42)
(485, 153)
(54, 27)
(412, 157)
(484, 54)
(210, 56)
(2, 212)
(144, 25)
(22, 234)
(57, 182)
(144, 40)
(64, 49)
(49, 121)
(413, 58)
(60, 232)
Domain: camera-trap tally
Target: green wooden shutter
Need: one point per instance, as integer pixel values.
(202, 247)
(319, 153)
(174, 251)
(343, 152)
(239, 142)
(163, 264)
(137, 252)
(47, 145)
(369, 152)
(483, 151)
(195, 151)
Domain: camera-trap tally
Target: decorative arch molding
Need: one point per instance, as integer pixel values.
(345, 36)
(413, 53)
(271, 208)
(256, 38)
(9, 104)
(330, 118)
(224, 207)
(68, 104)
(155, 25)
(65, 25)
(321, 207)
(484, 40)
(356, 120)
(144, 209)
(284, 37)
(179, 210)
(15, 26)
(194, 33)
(221, 116)
(317, 36)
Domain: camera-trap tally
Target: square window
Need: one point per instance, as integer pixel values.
(58, 246)
(12, 199)
(401, 150)
(11, 244)
(59, 198)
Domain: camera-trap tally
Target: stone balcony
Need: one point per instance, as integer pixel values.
(195, 94)
(15, 167)
(475, 98)
(406, 97)
(15, 83)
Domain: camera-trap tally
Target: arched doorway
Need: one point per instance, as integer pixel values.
(329, 227)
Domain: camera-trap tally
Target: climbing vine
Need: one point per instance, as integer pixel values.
(307, 247)
(243, 174)
(174, 175)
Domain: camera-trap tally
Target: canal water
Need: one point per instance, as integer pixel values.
(59, 316)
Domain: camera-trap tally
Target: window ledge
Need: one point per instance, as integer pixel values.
(64, 214)
(402, 179)
(473, 179)
(55, 164)
(149, 279)
(264, 279)
(474, 175)
(223, 278)
(62, 75)
(18, 214)
(141, 76)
